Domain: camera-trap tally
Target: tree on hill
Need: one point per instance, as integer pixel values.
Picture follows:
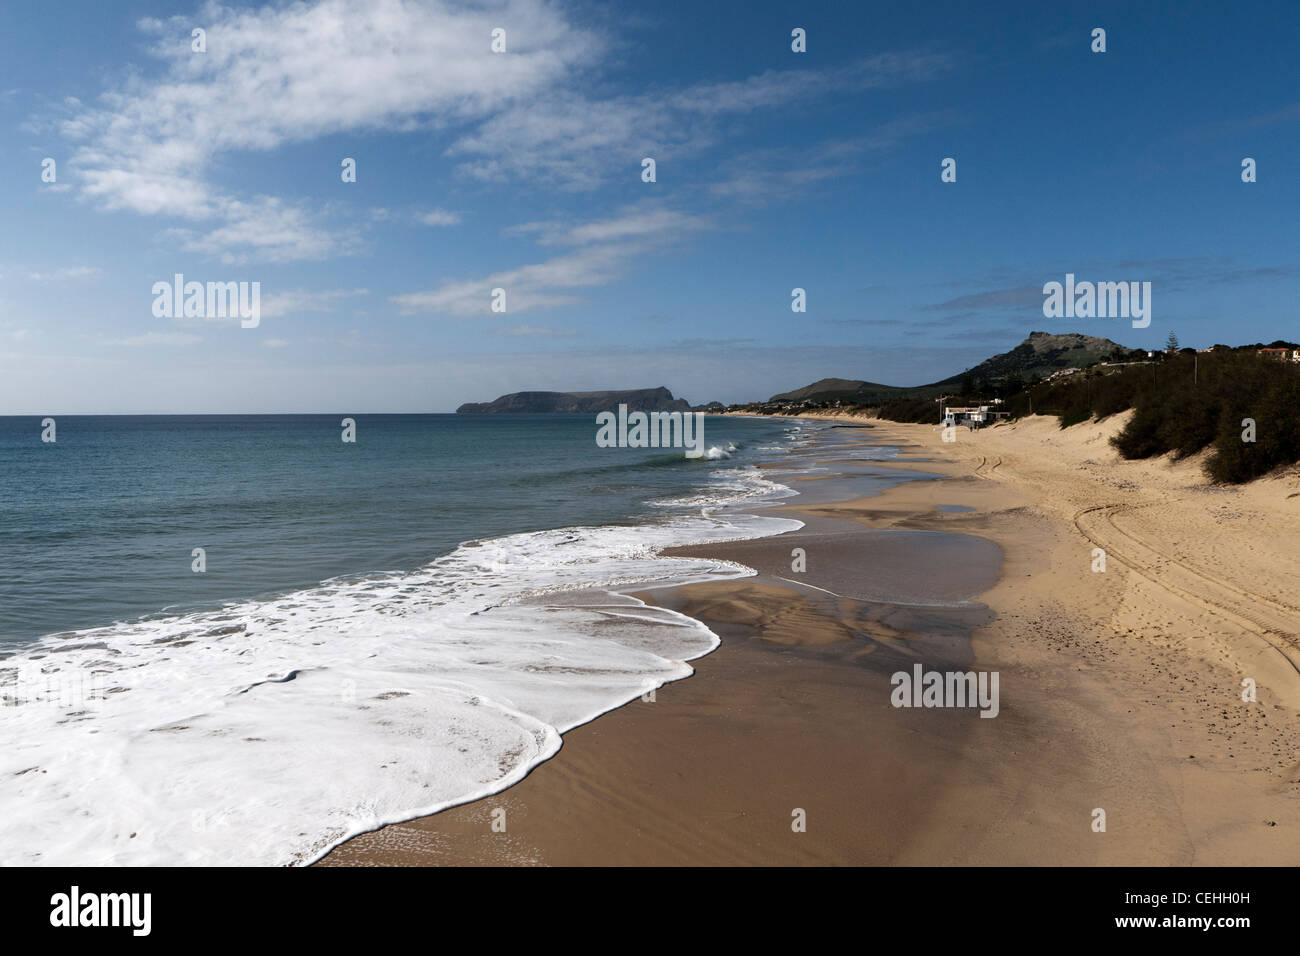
(1171, 345)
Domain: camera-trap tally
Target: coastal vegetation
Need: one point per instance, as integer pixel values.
(1242, 404)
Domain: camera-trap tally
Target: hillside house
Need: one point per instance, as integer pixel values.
(972, 416)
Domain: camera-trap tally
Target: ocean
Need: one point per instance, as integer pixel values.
(380, 629)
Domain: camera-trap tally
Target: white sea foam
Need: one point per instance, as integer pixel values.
(268, 731)
(731, 486)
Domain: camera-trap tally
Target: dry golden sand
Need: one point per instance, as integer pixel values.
(1119, 690)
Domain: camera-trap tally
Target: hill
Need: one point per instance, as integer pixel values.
(845, 390)
(1041, 354)
(637, 400)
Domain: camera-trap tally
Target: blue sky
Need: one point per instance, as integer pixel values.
(522, 170)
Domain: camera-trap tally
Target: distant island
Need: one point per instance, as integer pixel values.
(637, 400)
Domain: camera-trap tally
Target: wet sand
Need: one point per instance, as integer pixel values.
(792, 713)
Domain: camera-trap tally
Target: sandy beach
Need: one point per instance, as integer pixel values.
(1120, 690)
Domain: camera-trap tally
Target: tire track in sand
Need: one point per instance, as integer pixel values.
(1275, 623)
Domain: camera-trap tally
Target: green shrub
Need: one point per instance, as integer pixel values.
(1185, 404)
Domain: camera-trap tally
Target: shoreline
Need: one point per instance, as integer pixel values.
(1104, 705)
(815, 651)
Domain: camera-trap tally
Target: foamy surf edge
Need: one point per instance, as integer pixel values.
(208, 695)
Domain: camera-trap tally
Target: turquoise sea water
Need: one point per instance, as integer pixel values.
(383, 629)
(99, 526)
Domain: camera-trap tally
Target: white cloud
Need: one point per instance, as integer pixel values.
(275, 343)
(536, 330)
(303, 300)
(266, 230)
(440, 217)
(580, 143)
(293, 73)
(767, 175)
(780, 87)
(605, 249)
(68, 272)
(160, 338)
(536, 286)
(431, 217)
(574, 141)
(641, 221)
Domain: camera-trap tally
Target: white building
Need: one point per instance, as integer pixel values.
(972, 415)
